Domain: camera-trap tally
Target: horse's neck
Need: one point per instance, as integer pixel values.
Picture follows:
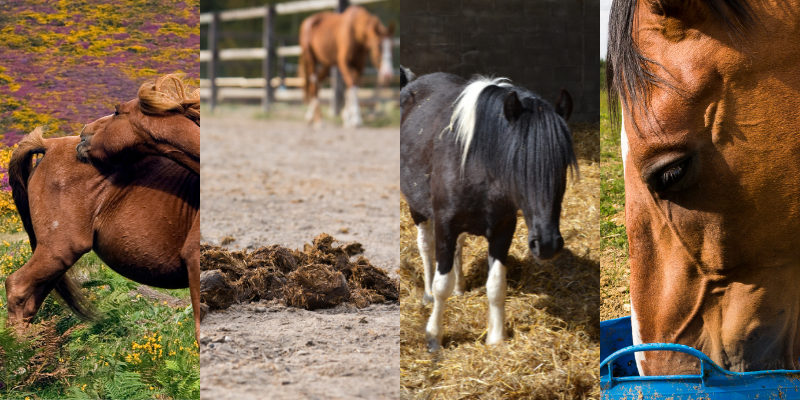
(181, 145)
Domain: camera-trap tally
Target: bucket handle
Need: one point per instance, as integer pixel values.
(707, 366)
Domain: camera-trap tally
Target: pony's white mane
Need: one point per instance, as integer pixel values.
(462, 122)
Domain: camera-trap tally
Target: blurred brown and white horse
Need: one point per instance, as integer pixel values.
(711, 150)
(343, 40)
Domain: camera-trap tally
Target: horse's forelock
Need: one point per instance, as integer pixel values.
(630, 76)
(167, 94)
(534, 154)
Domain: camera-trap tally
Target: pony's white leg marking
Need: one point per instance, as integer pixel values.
(637, 339)
(345, 112)
(623, 136)
(386, 71)
(355, 112)
(312, 108)
(442, 289)
(426, 245)
(457, 264)
(496, 292)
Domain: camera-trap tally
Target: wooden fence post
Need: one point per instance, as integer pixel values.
(213, 37)
(336, 75)
(269, 61)
(282, 64)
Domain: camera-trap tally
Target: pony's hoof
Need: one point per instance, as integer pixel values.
(427, 299)
(458, 292)
(317, 125)
(433, 345)
(492, 339)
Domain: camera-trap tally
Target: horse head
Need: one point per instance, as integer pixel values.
(711, 158)
(545, 155)
(163, 120)
(381, 42)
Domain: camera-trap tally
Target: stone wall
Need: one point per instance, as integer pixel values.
(543, 45)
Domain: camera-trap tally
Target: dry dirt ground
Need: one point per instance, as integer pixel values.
(265, 182)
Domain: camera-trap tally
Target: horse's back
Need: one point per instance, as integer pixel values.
(136, 219)
(318, 35)
(426, 104)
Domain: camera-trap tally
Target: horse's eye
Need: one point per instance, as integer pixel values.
(674, 177)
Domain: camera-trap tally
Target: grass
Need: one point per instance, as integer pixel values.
(140, 347)
(552, 316)
(615, 270)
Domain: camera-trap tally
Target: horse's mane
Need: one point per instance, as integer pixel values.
(532, 155)
(167, 94)
(630, 75)
(462, 122)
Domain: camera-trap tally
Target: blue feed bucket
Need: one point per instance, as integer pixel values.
(624, 382)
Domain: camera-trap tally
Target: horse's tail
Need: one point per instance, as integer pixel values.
(406, 76)
(20, 168)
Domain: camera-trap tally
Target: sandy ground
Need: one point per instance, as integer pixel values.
(270, 182)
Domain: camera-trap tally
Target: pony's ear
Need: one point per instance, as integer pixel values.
(390, 29)
(512, 107)
(564, 104)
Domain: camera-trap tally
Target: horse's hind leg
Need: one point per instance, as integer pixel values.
(27, 288)
(190, 255)
(458, 269)
(425, 243)
(496, 285)
(443, 284)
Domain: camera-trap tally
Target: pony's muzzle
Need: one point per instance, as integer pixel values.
(546, 249)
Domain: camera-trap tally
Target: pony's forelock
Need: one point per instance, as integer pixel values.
(532, 155)
(167, 94)
(462, 121)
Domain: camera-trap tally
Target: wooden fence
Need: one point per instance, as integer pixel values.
(265, 87)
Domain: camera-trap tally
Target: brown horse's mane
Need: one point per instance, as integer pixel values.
(630, 75)
(168, 94)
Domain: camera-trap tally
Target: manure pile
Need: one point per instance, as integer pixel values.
(319, 276)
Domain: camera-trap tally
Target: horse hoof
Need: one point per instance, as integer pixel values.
(433, 345)
(458, 292)
(427, 299)
(495, 339)
(317, 125)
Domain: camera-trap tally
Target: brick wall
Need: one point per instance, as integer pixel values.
(543, 45)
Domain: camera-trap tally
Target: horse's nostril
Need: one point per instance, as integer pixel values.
(559, 244)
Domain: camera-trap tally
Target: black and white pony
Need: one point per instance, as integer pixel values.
(471, 155)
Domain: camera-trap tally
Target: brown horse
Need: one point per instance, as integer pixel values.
(164, 120)
(343, 40)
(711, 152)
(140, 219)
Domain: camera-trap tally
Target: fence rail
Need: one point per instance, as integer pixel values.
(258, 87)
